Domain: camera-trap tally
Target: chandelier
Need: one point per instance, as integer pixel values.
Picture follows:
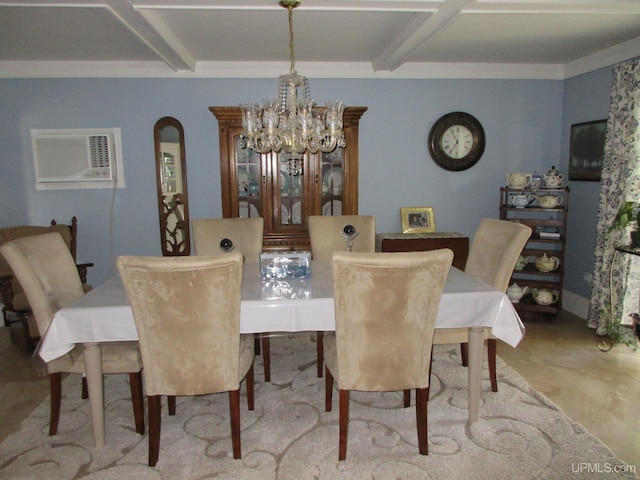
(291, 123)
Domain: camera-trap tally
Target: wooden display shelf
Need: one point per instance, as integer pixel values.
(539, 220)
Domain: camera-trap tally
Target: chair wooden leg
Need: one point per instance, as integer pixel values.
(407, 393)
(6, 317)
(492, 344)
(19, 331)
(171, 404)
(266, 356)
(320, 350)
(85, 391)
(153, 404)
(344, 424)
(256, 343)
(137, 398)
(234, 411)
(55, 382)
(250, 398)
(430, 364)
(422, 397)
(464, 354)
(328, 390)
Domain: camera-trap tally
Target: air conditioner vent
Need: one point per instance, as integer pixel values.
(80, 158)
(99, 149)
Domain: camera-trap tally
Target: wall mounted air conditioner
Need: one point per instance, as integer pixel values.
(77, 158)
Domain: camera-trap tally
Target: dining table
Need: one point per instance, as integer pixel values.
(275, 305)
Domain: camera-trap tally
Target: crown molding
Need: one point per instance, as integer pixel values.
(604, 58)
(160, 69)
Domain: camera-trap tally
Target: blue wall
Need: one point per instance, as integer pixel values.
(523, 119)
(586, 98)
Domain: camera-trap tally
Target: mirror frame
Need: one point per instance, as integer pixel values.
(172, 247)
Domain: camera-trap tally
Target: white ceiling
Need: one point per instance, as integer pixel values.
(333, 38)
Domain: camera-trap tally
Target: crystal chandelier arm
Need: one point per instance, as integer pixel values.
(290, 123)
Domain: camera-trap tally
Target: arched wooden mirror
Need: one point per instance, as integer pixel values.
(173, 203)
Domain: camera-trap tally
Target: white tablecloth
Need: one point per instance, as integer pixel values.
(104, 314)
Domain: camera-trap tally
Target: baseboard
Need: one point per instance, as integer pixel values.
(574, 303)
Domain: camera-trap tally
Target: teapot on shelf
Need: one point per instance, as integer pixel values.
(549, 201)
(521, 262)
(518, 180)
(553, 178)
(521, 200)
(515, 292)
(543, 296)
(547, 264)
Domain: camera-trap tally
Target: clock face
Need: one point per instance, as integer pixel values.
(456, 141)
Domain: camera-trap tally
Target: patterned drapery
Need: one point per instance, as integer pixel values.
(615, 291)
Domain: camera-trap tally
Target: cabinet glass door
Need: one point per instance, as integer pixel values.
(285, 198)
(332, 169)
(290, 186)
(249, 185)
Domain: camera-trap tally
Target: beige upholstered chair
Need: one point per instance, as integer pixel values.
(187, 314)
(246, 235)
(386, 306)
(326, 235)
(16, 311)
(46, 271)
(496, 246)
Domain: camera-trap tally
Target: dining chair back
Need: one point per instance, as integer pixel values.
(246, 234)
(385, 311)
(187, 315)
(15, 307)
(495, 249)
(45, 268)
(326, 233)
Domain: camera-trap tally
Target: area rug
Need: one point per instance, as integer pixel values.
(289, 436)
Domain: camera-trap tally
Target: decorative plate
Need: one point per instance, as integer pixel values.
(333, 178)
(246, 208)
(337, 208)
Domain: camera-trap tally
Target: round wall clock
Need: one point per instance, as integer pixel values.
(456, 141)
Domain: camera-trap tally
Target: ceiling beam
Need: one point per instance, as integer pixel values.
(153, 32)
(420, 29)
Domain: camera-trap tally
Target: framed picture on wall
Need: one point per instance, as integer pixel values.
(417, 220)
(586, 150)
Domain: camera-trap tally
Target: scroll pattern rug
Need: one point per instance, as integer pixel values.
(289, 436)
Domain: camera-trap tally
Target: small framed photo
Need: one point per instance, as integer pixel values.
(417, 220)
(586, 150)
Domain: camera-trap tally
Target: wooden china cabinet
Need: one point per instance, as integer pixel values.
(266, 185)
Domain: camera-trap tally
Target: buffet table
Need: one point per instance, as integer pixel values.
(419, 242)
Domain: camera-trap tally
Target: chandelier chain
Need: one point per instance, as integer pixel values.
(292, 60)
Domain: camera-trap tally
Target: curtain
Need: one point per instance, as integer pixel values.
(615, 291)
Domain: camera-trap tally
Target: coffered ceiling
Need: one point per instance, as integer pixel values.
(333, 38)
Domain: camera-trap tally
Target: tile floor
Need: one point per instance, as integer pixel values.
(559, 357)
(599, 390)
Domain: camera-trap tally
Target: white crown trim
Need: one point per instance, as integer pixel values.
(156, 69)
